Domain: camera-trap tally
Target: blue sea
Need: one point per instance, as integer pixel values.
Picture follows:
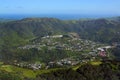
(59, 16)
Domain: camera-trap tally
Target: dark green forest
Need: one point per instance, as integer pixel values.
(106, 71)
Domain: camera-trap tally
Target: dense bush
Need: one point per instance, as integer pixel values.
(9, 76)
(104, 71)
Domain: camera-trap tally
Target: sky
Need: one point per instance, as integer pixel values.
(98, 7)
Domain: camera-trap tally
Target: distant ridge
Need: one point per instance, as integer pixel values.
(100, 30)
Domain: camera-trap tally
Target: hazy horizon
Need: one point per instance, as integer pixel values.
(99, 7)
(58, 16)
(63, 9)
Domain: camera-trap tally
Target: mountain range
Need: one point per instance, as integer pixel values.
(15, 33)
(99, 30)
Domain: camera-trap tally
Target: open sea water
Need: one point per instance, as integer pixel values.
(59, 16)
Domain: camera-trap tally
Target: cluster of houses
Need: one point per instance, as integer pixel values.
(30, 46)
(54, 36)
(83, 58)
(70, 42)
(103, 51)
(63, 62)
(66, 62)
(33, 66)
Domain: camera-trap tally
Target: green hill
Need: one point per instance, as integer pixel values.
(17, 33)
(103, 30)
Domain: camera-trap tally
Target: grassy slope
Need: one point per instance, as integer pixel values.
(91, 62)
(25, 72)
(32, 74)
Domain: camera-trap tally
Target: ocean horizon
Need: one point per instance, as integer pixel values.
(58, 16)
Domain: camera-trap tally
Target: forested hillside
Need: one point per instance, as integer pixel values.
(59, 48)
(102, 30)
(18, 33)
(105, 71)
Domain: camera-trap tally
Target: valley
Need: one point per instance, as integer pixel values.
(34, 48)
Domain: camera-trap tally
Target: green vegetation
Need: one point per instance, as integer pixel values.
(23, 72)
(20, 32)
(9, 76)
(88, 71)
(103, 71)
(95, 62)
(14, 34)
(116, 53)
